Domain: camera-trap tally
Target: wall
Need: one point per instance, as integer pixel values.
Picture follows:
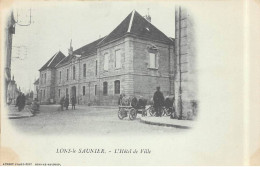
(147, 79)
(122, 74)
(185, 53)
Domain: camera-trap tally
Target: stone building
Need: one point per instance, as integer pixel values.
(9, 30)
(186, 72)
(12, 92)
(133, 59)
(47, 79)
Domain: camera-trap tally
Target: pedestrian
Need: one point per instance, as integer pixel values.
(23, 101)
(19, 102)
(62, 100)
(66, 102)
(73, 102)
(35, 107)
(158, 101)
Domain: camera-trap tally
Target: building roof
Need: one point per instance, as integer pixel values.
(54, 60)
(134, 24)
(137, 25)
(83, 51)
(36, 82)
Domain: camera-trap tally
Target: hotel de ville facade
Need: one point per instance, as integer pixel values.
(133, 59)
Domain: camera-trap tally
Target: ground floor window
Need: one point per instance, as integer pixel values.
(104, 88)
(59, 92)
(95, 90)
(43, 93)
(83, 90)
(117, 87)
(67, 91)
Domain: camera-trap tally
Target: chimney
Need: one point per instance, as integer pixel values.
(148, 17)
(70, 50)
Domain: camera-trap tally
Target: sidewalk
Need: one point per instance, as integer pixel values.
(104, 107)
(166, 121)
(14, 114)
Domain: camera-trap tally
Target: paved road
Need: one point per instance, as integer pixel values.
(85, 120)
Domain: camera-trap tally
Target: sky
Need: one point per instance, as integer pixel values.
(55, 24)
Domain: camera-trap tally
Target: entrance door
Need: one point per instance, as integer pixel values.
(73, 92)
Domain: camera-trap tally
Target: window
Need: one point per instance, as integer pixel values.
(84, 70)
(45, 78)
(59, 92)
(106, 62)
(96, 67)
(67, 74)
(104, 88)
(117, 87)
(42, 79)
(43, 93)
(152, 60)
(74, 72)
(118, 59)
(95, 90)
(67, 91)
(84, 90)
(60, 76)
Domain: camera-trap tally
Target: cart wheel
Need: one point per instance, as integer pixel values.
(144, 113)
(151, 111)
(132, 114)
(168, 112)
(122, 113)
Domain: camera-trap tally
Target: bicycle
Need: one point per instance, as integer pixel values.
(164, 111)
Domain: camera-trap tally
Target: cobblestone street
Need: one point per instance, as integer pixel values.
(85, 120)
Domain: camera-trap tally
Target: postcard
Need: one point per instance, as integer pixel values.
(130, 83)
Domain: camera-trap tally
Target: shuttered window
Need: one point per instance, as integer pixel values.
(117, 87)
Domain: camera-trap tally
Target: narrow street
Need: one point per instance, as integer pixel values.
(85, 120)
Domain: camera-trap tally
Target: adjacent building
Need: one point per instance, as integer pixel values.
(47, 79)
(186, 72)
(9, 30)
(133, 59)
(12, 92)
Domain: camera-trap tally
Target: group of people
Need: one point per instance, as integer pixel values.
(64, 102)
(20, 101)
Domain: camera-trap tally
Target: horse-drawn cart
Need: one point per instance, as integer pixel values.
(130, 106)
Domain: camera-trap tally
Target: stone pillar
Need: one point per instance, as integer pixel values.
(186, 77)
(128, 84)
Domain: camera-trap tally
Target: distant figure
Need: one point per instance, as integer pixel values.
(158, 101)
(19, 102)
(62, 101)
(120, 98)
(66, 103)
(73, 102)
(35, 107)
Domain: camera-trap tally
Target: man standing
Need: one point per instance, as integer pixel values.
(158, 101)
(73, 102)
(66, 103)
(62, 103)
